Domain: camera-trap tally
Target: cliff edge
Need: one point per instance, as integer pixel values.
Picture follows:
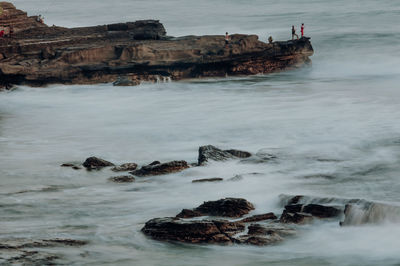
(129, 53)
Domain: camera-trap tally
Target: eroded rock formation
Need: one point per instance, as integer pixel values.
(131, 52)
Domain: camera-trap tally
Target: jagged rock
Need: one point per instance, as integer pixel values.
(125, 167)
(268, 229)
(297, 217)
(186, 213)
(96, 163)
(210, 152)
(185, 231)
(161, 169)
(214, 179)
(238, 153)
(122, 179)
(155, 163)
(228, 207)
(259, 217)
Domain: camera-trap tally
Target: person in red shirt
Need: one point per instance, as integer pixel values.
(302, 29)
(1, 33)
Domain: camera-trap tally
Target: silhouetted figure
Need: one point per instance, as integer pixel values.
(227, 38)
(302, 29)
(270, 40)
(294, 33)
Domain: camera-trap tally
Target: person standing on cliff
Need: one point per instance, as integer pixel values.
(302, 30)
(227, 38)
(294, 33)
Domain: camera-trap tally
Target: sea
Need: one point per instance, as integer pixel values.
(334, 128)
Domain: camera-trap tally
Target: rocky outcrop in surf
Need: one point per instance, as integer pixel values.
(132, 52)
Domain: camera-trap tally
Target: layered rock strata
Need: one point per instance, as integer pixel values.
(130, 53)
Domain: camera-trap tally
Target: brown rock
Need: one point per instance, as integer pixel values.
(228, 207)
(125, 167)
(186, 213)
(161, 169)
(259, 217)
(96, 163)
(321, 211)
(122, 179)
(210, 152)
(238, 153)
(296, 218)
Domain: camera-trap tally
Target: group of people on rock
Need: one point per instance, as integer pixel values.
(294, 31)
(270, 40)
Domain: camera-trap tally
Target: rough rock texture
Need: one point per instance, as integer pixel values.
(190, 231)
(214, 179)
(125, 167)
(161, 169)
(133, 51)
(296, 217)
(122, 179)
(299, 213)
(259, 217)
(96, 163)
(210, 152)
(228, 207)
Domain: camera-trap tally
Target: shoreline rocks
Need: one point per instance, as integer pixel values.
(94, 163)
(161, 169)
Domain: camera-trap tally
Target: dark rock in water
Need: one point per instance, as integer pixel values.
(296, 218)
(122, 179)
(185, 231)
(73, 166)
(321, 211)
(229, 228)
(238, 153)
(229, 207)
(125, 167)
(210, 152)
(294, 208)
(186, 213)
(96, 163)
(259, 240)
(215, 179)
(259, 217)
(260, 157)
(155, 163)
(295, 199)
(269, 229)
(161, 169)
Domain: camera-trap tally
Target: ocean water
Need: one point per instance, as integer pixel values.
(338, 118)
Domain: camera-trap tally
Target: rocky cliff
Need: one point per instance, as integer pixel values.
(129, 53)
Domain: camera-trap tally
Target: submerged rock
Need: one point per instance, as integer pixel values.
(214, 179)
(125, 167)
(122, 179)
(96, 163)
(73, 166)
(161, 169)
(211, 152)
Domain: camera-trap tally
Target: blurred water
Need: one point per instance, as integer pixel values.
(337, 118)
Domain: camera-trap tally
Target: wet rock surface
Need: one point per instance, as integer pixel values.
(122, 179)
(161, 169)
(259, 217)
(125, 167)
(210, 152)
(94, 163)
